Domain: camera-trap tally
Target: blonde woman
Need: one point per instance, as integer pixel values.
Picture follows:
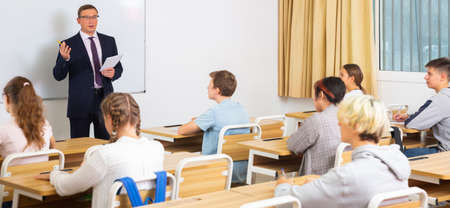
(374, 169)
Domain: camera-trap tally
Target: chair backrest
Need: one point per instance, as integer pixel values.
(342, 157)
(122, 200)
(384, 141)
(274, 202)
(400, 199)
(203, 174)
(271, 129)
(20, 155)
(229, 144)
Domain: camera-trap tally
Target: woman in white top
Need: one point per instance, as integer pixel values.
(128, 154)
(352, 77)
(28, 131)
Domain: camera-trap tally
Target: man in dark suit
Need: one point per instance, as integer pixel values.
(81, 57)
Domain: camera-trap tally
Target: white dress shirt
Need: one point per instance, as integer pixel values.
(87, 44)
(135, 158)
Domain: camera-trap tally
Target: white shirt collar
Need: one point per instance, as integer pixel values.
(85, 36)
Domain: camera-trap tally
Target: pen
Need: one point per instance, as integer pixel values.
(59, 42)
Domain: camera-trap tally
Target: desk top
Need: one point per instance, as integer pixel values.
(78, 145)
(168, 132)
(436, 165)
(300, 115)
(228, 199)
(277, 147)
(26, 181)
(404, 129)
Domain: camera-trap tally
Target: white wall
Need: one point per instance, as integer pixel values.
(189, 39)
(403, 88)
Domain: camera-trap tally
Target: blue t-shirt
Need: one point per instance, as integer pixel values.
(212, 121)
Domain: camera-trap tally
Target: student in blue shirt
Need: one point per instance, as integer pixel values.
(226, 112)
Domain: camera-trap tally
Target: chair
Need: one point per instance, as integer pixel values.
(274, 202)
(342, 157)
(6, 165)
(391, 198)
(228, 144)
(122, 200)
(198, 175)
(275, 129)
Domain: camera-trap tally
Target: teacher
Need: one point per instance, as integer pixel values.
(81, 56)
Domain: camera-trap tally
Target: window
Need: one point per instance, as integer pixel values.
(412, 32)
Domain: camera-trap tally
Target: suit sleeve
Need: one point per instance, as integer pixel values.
(118, 68)
(61, 68)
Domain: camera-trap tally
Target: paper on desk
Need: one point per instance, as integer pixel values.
(111, 62)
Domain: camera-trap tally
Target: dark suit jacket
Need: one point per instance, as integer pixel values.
(81, 78)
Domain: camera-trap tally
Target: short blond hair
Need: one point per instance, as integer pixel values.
(364, 114)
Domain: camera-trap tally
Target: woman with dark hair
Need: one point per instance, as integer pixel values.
(352, 77)
(28, 131)
(319, 135)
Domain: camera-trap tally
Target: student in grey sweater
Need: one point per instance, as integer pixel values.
(435, 113)
(319, 135)
(374, 169)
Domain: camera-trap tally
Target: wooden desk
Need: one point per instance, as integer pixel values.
(227, 199)
(174, 142)
(433, 169)
(74, 149)
(292, 120)
(267, 157)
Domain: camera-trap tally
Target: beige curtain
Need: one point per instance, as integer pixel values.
(317, 37)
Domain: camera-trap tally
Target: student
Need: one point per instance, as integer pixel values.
(373, 169)
(352, 77)
(318, 136)
(226, 112)
(435, 113)
(28, 131)
(128, 154)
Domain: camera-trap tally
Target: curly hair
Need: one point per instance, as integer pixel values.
(27, 109)
(123, 109)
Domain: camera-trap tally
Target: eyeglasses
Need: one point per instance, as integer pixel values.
(90, 17)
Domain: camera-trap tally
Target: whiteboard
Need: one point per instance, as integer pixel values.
(31, 29)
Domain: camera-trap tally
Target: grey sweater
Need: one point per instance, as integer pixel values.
(317, 139)
(434, 114)
(374, 169)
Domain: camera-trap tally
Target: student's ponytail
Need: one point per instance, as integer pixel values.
(354, 71)
(27, 109)
(122, 109)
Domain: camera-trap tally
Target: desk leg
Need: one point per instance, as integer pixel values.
(18, 192)
(423, 136)
(250, 167)
(254, 169)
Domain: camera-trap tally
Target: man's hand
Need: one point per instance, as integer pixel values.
(64, 50)
(108, 72)
(400, 117)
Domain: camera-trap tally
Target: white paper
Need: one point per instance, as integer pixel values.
(111, 62)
